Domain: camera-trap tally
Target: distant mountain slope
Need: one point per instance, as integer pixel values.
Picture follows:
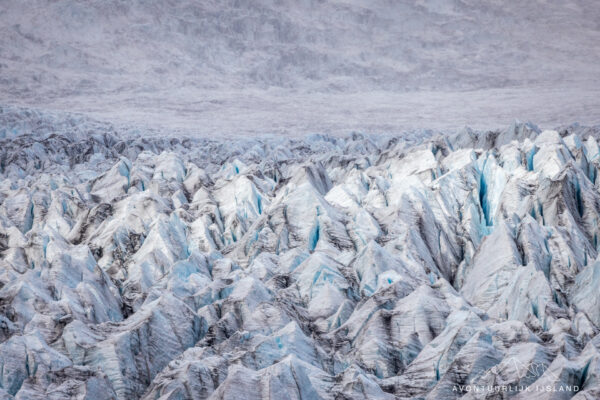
(201, 61)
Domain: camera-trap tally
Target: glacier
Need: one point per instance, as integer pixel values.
(421, 265)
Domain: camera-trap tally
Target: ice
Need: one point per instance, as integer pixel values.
(322, 267)
(585, 296)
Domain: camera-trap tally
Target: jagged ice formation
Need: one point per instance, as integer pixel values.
(317, 267)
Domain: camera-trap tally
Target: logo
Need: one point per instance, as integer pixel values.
(522, 370)
(524, 373)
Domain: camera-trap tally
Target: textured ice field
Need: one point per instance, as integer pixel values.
(278, 199)
(321, 267)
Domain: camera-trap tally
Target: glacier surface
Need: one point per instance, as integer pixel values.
(355, 267)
